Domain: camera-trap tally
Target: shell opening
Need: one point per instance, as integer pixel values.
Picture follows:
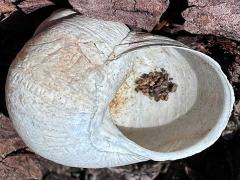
(189, 114)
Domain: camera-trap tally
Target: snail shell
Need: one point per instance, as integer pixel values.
(70, 94)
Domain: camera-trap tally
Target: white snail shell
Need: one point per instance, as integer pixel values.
(70, 94)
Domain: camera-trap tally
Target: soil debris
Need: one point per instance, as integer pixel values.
(157, 85)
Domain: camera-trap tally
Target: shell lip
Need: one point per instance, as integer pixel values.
(211, 137)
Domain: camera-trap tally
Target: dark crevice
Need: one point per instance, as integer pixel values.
(15, 31)
(17, 2)
(45, 176)
(172, 19)
(61, 4)
(78, 173)
(17, 152)
(222, 56)
(174, 11)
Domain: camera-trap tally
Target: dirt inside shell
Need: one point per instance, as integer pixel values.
(157, 85)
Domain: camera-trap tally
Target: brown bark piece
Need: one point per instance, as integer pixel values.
(214, 17)
(6, 7)
(14, 164)
(54, 168)
(20, 167)
(29, 6)
(9, 140)
(237, 106)
(136, 13)
(144, 171)
(53, 176)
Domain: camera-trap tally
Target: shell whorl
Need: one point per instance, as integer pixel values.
(62, 83)
(65, 83)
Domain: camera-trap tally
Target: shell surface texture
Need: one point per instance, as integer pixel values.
(71, 95)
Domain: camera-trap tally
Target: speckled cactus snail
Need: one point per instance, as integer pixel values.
(71, 95)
